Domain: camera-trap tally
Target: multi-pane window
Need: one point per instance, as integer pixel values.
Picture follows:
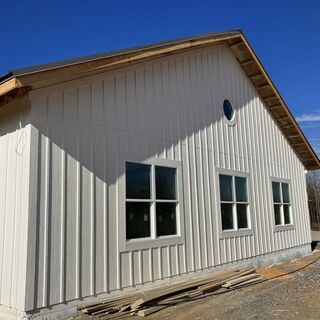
(151, 201)
(234, 202)
(281, 203)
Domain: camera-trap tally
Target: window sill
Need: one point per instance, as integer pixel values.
(284, 227)
(235, 233)
(147, 243)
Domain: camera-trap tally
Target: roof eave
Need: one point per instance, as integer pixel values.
(274, 102)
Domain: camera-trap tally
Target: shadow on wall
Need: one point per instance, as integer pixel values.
(148, 112)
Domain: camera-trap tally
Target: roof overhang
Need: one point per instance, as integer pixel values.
(19, 82)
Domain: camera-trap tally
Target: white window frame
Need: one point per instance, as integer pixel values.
(235, 231)
(153, 240)
(231, 122)
(282, 226)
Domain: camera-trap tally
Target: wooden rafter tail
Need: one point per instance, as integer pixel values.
(16, 93)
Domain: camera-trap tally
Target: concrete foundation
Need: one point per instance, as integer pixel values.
(63, 311)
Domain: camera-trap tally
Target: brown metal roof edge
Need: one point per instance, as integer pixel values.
(114, 53)
(52, 74)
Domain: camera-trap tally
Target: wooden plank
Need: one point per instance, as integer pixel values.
(162, 294)
(110, 303)
(9, 85)
(147, 312)
(214, 285)
(104, 311)
(239, 280)
(125, 308)
(118, 303)
(180, 296)
(116, 315)
(112, 300)
(246, 283)
(171, 294)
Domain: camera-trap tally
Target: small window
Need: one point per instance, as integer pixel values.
(234, 202)
(281, 203)
(151, 196)
(228, 110)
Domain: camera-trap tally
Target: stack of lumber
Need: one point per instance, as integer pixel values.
(145, 303)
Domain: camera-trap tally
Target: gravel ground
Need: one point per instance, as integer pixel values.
(294, 296)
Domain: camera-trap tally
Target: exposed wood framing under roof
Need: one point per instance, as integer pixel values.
(13, 94)
(20, 82)
(274, 102)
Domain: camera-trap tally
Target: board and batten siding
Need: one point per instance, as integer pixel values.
(169, 108)
(14, 186)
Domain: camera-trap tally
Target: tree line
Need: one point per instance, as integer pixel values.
(313, 189)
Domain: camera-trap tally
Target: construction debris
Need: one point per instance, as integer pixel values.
(145, 303)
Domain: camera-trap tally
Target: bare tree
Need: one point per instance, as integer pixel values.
(313, 189)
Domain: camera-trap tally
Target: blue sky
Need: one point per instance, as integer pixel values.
(284, 35)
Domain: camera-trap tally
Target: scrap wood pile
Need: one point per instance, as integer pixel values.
(145, 303)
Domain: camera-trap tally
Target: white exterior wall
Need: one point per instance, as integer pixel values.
(169, 108)
(14, 186)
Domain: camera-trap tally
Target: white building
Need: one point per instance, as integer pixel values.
(130, 169)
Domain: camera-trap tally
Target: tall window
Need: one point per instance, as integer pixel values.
(281, 203)
(234, 202)
(151, 201)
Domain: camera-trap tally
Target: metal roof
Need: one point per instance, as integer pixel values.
(109, 54)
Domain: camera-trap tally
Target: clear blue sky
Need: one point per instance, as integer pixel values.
(284, 34)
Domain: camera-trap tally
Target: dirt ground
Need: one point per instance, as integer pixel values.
(293, 296)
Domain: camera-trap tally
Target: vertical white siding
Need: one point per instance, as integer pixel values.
(172, 109)
(14, 184)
